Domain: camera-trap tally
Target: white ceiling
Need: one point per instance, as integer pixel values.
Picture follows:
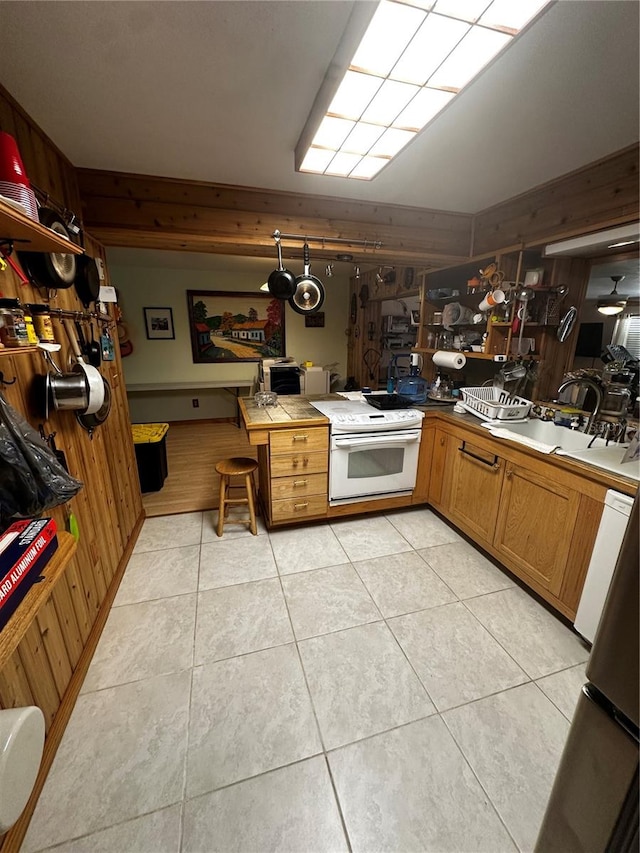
(220, 91)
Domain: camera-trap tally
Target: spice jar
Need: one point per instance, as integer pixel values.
(31, 332)
(42, 323)
(13, 329)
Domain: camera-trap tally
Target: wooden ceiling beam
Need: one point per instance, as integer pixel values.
(144, 212)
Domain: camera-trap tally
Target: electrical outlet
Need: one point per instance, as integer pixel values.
(195, 402)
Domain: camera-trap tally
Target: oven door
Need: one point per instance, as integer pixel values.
(364, 464)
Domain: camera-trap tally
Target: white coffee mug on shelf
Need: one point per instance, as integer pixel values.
(493, 298)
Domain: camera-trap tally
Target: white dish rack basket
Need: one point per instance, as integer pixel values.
(492, 404)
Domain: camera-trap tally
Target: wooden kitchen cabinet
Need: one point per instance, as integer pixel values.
(298, 473)
(440, 464)
(536, 524)
(476, 486)
(536, 518)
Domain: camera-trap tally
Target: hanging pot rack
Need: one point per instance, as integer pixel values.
(343, 241)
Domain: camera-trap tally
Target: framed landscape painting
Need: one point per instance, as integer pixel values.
(226, 326)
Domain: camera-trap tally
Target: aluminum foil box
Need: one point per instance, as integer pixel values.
(25, 549)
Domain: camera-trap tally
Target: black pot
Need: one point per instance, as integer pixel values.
(53, 271)
(87, 280)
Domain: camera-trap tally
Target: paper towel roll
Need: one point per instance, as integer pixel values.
(452, 360)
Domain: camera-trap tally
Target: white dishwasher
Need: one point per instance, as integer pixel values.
(613, 524)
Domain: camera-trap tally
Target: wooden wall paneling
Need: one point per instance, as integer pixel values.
(80, 599)
(54, 645)
(601, 195)
(15, 691)
(39, 673)
(66, 613)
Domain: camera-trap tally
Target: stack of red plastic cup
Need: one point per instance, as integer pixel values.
(14, 183)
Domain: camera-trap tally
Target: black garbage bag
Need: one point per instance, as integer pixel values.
(31, 478)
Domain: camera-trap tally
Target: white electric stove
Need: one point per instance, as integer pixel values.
(374, 453)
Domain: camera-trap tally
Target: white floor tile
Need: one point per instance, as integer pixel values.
(143, 640)
(122, 756)
(249, 714)
(463, 568)
(291, 809)
(422, 528)
(159, 574)
(411, 790)
(236, 620)
(327, 600)
(361, 683)
(365, 538)
(230, 530)
(158, 832)
(456, 659)
(402, 583)
(513, 742)
(535, 638)
(305, 548)
(238, 560)
(563, 688)
(169, 531)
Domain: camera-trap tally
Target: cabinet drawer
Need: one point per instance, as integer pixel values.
(302, 507)
(299, 463)
(288, 440)
(300, 486)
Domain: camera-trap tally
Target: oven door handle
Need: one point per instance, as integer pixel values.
(379, 442)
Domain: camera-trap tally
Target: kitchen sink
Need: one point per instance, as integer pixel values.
(547, 437)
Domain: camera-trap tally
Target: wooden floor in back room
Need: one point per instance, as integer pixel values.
(193, 448)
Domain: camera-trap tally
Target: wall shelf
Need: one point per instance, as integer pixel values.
(30, 236)
(17, 350)
(18, 624)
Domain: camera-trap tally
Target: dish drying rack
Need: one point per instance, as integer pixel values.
(494, 404)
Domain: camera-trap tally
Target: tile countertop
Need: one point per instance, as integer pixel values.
(295, 410)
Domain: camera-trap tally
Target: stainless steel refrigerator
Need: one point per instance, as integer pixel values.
(593, 805)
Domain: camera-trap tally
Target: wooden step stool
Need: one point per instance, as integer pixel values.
(237, 466)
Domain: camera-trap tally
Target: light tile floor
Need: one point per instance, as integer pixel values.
(370, 684)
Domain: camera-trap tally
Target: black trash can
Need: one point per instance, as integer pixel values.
(150, 442)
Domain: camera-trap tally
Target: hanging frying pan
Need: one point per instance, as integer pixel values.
(309, 292)
(90, 422)
(87, 280)
(94, 379)
(282, 282)
(52, 271)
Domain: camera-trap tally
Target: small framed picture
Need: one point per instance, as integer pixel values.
(314, 321)
(415, 316)
(159, 324)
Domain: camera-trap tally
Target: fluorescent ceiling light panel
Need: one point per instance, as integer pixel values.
(390, 31)
(513, 14)
(413, 59)
(466, 10)
(391, 142)
(362, 137)
(368, 167)
(392, 98)
(475, 50)
(433, 42)
(354, 95)
(426, 104)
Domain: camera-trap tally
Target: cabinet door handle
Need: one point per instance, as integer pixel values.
(300, 482)
(305, 461)
(443, 441)
(509, 473)
(300, 437)
(495, 464)
(301, 506)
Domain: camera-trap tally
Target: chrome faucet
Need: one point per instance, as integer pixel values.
(589, 383)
